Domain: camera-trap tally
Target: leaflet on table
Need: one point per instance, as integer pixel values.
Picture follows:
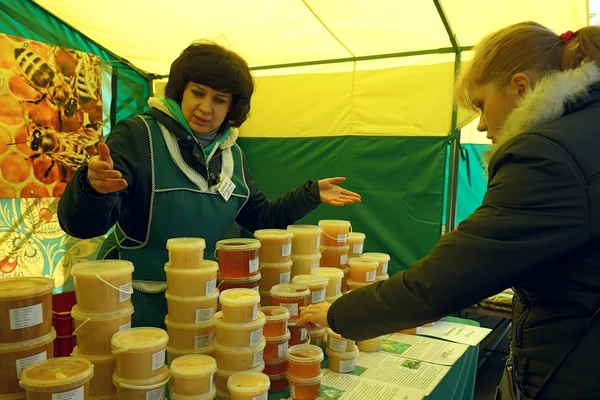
(336, 386)
(460, 333)
(425, 349)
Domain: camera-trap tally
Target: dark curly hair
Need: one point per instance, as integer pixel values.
(209, 64)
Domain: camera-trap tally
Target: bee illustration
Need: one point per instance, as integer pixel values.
(87, 82)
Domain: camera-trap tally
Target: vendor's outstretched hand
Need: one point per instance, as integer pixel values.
(335, 195)
(314, 314)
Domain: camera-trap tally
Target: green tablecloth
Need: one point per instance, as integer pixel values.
(458, 384)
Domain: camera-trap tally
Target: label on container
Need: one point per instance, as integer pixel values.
(75, 394)
(125, 326)
(384, 269)
(256, 288)
(211, 286)
(261, 397)
(253, 265)
(347, 365)
(344, 259)
(125, 292)
(371, 275)
(319, 342)
(357, 249)
(254, 312)
(203, 341)
(285, 277)
(338, 289)
(286, 250)
(291, 307)
(292, 391)
(25, 317)
(258, 357)
(204, 314)
(338, 345)
(256, 337)
(212, 380)
(23, 363)
(314, 266)
(156, 394)
(158, 360)
(342, 237)
(318, 241)
(282, 349)
(303, 334)
(318, 296)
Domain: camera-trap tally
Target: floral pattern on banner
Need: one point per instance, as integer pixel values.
(33, 244)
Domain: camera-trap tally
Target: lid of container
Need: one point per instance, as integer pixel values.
(249, 382)
(28, 344)
(181, 325)
(276, 361)
(304, 382)
(260, 321)
(275, 313)
(380, 278)
(240, 350)
(328, 272)
(265, 293)
(20, 288)
(227, 374)
(357, 235)
(359, 284)
(207, 266)
(381, 257)
(334, 222)
(336, 335)
(201, 350)
(336, 249)
(193, 364)
(187, 299)
(238, 244)
(254, 278)
(97, 359)
(14, 396)
(316, 256)
(286, 264)
(77, 314)
(206, 396)
(273, 234)
(305, 354)
(146, 384)
(347, 355)
(64, 372)
(102, 267)
(186, 243)
(278, 377)
(314, 229)
(290, 291)
(138, 339)
(363, 262)
(279, 339)
(308, 279)
(239, 297)
(318, 331)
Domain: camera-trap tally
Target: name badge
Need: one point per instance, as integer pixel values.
(226, 187)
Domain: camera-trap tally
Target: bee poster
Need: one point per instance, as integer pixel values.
(50, 116)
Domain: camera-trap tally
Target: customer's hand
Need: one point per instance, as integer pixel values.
(314, 314)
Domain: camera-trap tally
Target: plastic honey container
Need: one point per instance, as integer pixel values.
(333, 299)
(342, 362)
(94, 331)
(307, 239)
(305, 389)
(58, 378)
(248, 385)
(356, 241)
(304, 264)
(192, 310)
(15, 357)
(14, 396)
(275, 245)
(274, 274)
(276, 367)
(316, 284)
(317, 337)
(142, 389)
(104, 366)
(291, 296)
(335, 275)
(140, 352)
(232, 334)
(337, 343)
(173, 354)
(239, 305)
(25, 308)
(304, 361)
(276, 347)
(238, 258)
(278, 382)
(251, 282)
(222, 376)
(186, 252)
(239, 358)
(103, 286)
(335, 257)
(192, 375)
(277, 320)
(335, 232)
(358, 285)
(381, 278)
(190, 336)
(363, 270)
(299, 334)
(208, 396)
(382, 259)
(192, 282)
(371, 345)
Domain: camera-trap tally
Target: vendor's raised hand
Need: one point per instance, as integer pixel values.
(314, 314)
(101, 175)
(335, 195)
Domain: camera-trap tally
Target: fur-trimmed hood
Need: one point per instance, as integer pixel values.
(155, 102)
(548, 100)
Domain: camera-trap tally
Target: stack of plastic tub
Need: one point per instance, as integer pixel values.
(304, 371)
(275, 257)
(341, 353)
(192, 297)
(306, 248)
(383, 261)
(356, 243)
(335, 249)
(238, 264)
(277, 337)
(58, 378)
(192, 377)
